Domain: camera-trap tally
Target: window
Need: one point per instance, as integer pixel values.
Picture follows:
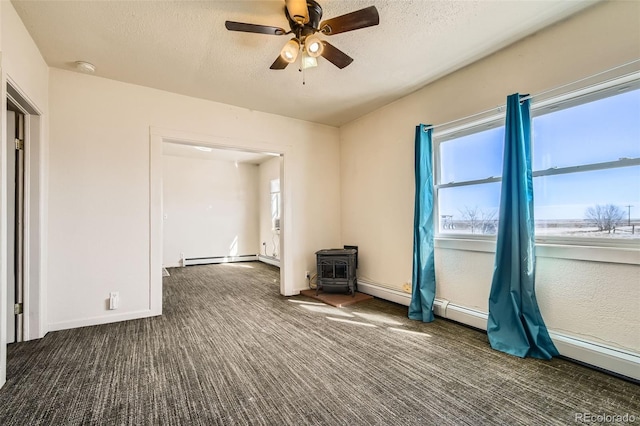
(586, 169)
(586, 163)
(274, 189)
(470, 168)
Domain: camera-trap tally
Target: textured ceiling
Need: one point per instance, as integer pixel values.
(183, 47)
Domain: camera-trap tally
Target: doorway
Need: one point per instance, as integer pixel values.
(23, 225)
(25, 217)
(158, 136)
(15, 222)
(216, 204)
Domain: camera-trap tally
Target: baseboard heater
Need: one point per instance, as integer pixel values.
(269, 259)
(218, 259)
(614, 360)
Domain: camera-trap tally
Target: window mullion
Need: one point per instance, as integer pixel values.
(623, 162)
(490, 179)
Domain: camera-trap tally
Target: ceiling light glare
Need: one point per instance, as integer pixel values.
(203, 148)
(290, 50)
(313, 46)
(85, 67)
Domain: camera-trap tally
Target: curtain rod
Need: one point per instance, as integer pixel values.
(500, 108)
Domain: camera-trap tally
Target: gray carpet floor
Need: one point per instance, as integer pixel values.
(229, 350)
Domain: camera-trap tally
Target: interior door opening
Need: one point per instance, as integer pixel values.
(23, 312)
(15, 222)
(220, 205)
(158, 137)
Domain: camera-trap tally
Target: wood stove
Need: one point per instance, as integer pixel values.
(337, 270)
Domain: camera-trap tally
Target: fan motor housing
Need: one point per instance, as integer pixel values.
(315, 14)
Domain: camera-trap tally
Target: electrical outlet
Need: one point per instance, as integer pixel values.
(307, 275)
(114, 300)
(407, 287)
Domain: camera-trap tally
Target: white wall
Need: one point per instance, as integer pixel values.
(23, 66)
(593, 301)
(268, 171)
(21, 59)
(99, 187)
(210, 208)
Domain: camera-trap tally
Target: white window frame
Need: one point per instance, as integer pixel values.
(581, 248)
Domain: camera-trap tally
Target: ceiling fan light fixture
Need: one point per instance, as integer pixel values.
(308, 61)
(313, 46)
(305, 21)
(290, 50)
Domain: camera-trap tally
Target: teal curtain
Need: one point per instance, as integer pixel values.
(515, 324)
(424, 276)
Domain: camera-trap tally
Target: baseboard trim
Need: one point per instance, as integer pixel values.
(604, 357)
(385, 293)
(105, 319)
(269, 259)
(464, 315)
(621, 362)
(219, 259)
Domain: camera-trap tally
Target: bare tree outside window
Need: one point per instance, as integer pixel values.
(478, 220)
(489, 222)
(604, 217)
(472, 216)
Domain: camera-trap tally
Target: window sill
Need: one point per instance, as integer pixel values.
(558, 250)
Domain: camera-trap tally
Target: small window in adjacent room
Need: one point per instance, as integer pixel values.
(585, 163)
(275, 204)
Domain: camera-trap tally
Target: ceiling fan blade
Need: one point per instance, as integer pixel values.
(279, 64)
(362, 18)
(336, 56)
(253, 28)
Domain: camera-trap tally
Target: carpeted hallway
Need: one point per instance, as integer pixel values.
(229, 350)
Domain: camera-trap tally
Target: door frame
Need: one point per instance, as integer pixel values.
(34, 323)
(12, 129)
(157, 137)
(35, 152)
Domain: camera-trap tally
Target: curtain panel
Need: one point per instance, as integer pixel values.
(515, 324)
(424, 276)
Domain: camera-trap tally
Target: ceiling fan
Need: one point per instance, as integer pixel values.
(304, 20)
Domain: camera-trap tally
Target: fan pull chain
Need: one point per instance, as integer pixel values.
(301, 69)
